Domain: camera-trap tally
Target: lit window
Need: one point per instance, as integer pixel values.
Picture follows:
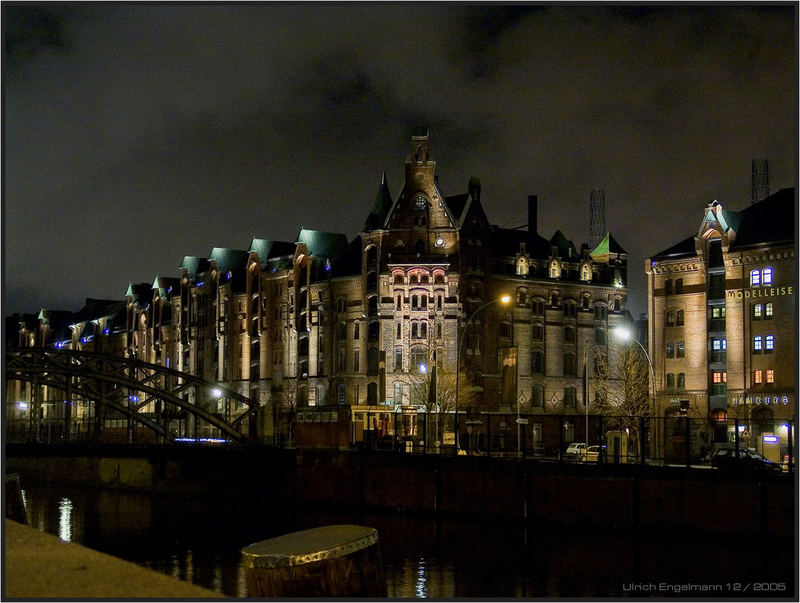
(720, 344)
(758, 376)
(769, 342)
(757, 343)
(755, 278)
(757, 311)
(720, 377)
(670, 350)
(766, 276)
(768, 310)
(770, 376)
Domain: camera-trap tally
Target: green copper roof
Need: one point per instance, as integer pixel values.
(229, 259)
(322, 244)
(607, 246)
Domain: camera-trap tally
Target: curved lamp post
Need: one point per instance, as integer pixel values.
(625, 335)
(503, 300)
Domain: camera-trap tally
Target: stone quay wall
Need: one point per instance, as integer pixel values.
(626, 496)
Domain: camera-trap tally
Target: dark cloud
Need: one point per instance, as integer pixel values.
(158, 131)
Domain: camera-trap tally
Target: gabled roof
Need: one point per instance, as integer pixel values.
(139, 292)
(322, 244)
(229, 259)
(506, 242)
(381, 207)
(769, 221)
(457, 204)
(166, 285)
(195, 265)
(97, 308)
(566, 249)
(608, 246)
(684, 248)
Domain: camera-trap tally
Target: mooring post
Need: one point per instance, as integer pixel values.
(325, 562)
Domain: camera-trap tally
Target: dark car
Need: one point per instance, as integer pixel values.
(748, 459)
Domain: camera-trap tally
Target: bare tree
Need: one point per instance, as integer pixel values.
(434, 391)
(286, 409)
(621, 383)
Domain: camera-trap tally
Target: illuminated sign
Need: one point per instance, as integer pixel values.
(770, 438)
(761, 292)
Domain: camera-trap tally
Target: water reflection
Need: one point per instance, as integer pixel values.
(65, 519)
(420, 590)
(195, 541)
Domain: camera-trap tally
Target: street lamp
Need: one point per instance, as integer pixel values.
(503, 300)
(625, 335)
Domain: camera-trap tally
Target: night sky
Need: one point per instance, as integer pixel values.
(137, 135)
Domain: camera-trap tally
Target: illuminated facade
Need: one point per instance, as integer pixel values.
(722, 322)
(323, 321)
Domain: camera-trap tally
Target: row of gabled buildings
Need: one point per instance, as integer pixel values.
(323, 321)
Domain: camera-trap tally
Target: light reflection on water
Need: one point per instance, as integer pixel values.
(65, 519)
(199, 541)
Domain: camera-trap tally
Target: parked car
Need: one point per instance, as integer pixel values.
(748, 459)
(575, 449)
(591, 454)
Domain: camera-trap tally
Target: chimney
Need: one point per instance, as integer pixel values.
(533, 212)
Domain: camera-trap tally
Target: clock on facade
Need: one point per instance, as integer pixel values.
(439, 242)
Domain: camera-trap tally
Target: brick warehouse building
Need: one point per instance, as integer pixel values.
(326, 322)
(722, 327)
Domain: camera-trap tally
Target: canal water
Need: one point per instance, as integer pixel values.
(199, 540)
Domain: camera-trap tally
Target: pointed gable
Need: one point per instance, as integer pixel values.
(381, 207)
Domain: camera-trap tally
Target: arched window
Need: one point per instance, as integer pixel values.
(398, 279)
(681, 349)
(569, 334)
(679, 318)
(670, 318)
(555, 269)
(766, 276)
(414, 279)
(670, 380)
(755, 278)
(681, 380)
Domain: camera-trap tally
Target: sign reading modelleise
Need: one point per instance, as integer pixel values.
(761, 292)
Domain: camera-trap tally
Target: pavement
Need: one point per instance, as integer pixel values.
(41, 566)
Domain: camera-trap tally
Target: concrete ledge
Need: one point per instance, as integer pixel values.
(41, 566)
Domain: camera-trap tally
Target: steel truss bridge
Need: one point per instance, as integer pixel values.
(126, 388)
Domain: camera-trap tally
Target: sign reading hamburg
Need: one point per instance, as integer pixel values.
(762, 292)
